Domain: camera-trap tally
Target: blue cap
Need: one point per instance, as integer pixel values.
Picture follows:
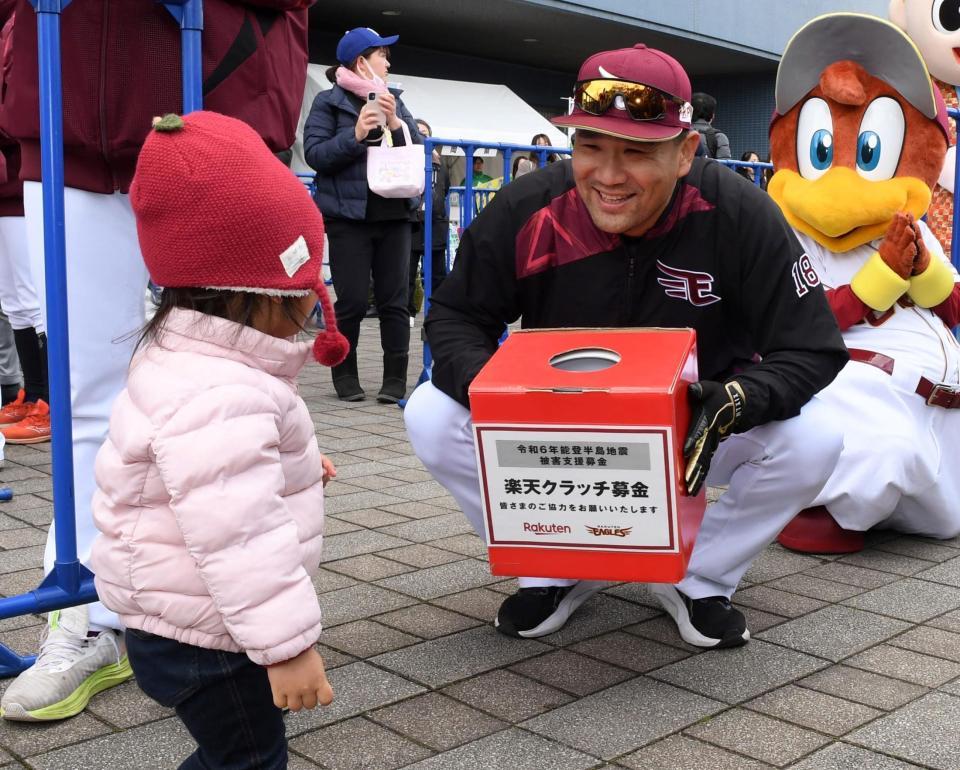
(358, 40)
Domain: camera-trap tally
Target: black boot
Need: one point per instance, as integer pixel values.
(32, 351)
(394, 378)
(9, 393)
(346, 381)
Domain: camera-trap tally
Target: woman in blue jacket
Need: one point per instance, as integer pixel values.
(367, 233)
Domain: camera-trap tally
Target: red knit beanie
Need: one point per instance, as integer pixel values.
(215, 209)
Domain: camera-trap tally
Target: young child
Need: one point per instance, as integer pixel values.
(209, 493)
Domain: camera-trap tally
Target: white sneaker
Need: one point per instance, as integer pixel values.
(412, 321)
(71, 668)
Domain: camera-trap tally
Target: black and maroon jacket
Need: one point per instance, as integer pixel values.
(121, 67)
(11, 187)
(721, 259)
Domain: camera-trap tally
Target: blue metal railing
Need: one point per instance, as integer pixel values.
(70, 583)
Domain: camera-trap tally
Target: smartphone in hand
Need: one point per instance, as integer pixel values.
(372, 101)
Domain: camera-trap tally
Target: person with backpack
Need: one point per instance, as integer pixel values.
(714, 143)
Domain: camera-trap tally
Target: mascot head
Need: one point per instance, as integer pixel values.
(859, 131)
(934, 25)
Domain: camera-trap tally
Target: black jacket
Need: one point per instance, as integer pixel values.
(721, 260)
(331, 148)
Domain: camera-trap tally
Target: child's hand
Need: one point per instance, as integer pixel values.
(329, 471)
(300, 682)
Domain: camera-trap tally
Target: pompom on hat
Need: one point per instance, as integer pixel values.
(215, 209)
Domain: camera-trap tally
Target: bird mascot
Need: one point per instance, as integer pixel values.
(858, 141)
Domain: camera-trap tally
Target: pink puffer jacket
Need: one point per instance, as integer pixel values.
(210, 499)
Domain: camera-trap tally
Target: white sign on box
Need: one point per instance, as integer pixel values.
(578, 487)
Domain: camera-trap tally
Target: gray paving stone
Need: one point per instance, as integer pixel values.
(22, 537)
(442, 661)
(834, 632)
(364, 638)
(334, 526)
(679, 752)
(512, 749)
(758, 620)
(947, 573)
(371, 517)
(919, 549)
(431, 582)
(157, 746)
(739, 674)
(324, 580)
(507, 695)
(758, 736)
(913, 600)
(433, 528)
(20, 582)
(775, 562)
(840, 756)
(815, 588)
(439, 722)
(953, 687)
(638, 593)
(357, 688)
(427, 621)
(948, 622)
(421, 555)
(421, 490)
(777, 602)
(864, 687)
(816, 710)
(368, 567)
(126, 706)
(416, 510)
(333, 658)
(661, 629)
(570, 672)
(631, 652)
(359, 501)
(357, 543)
(19, 559)
(480, 603)
(360, 601)
(623, 718)
(359, 744)
(851, 574)
(924, 732)
(887, 562)
(930, 641)
(907, 665)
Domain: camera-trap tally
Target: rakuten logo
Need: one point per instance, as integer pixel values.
(546, 529)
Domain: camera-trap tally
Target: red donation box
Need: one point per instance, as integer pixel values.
(579, 435)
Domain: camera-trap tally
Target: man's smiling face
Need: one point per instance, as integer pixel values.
(626, 185)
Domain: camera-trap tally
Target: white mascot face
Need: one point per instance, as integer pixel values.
(934, 25)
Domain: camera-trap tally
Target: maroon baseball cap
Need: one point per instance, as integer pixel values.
(646, 66)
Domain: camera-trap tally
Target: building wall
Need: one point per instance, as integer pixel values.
(744, 107)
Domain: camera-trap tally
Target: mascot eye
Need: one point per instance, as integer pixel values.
(946, 15)
(880, 140)
(814, 139)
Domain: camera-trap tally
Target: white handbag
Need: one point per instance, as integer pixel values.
(396, 172)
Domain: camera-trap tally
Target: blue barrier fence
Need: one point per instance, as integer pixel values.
(70, 583)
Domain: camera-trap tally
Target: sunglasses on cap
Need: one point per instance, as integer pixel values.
(642, 102)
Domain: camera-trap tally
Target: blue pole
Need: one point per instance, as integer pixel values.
(427, 245)
(189, 13)
(66, 566)
(468, 187)
(954, 115)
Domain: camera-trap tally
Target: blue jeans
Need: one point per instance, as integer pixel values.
(222, 698)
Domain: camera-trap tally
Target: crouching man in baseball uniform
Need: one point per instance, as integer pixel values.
(634, 231)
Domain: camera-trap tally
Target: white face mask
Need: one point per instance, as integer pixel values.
(373, 76)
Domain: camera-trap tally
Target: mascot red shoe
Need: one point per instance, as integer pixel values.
(857, 143)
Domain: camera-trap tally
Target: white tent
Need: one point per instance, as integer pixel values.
(481, 112)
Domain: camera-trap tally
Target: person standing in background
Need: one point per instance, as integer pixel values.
(715, 143)
(367, 233)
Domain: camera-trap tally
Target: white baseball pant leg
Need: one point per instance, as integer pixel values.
(774, 471)
(106, 280)
(441, 433)
(18, 295)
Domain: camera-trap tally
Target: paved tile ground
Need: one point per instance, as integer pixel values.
(855, 661)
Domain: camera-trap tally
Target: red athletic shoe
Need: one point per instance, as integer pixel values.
(15, 410)
(32, 429)
(814, 530)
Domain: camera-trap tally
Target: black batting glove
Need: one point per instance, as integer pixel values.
(717, 407)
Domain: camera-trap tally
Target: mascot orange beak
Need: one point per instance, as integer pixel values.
(841, 210)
